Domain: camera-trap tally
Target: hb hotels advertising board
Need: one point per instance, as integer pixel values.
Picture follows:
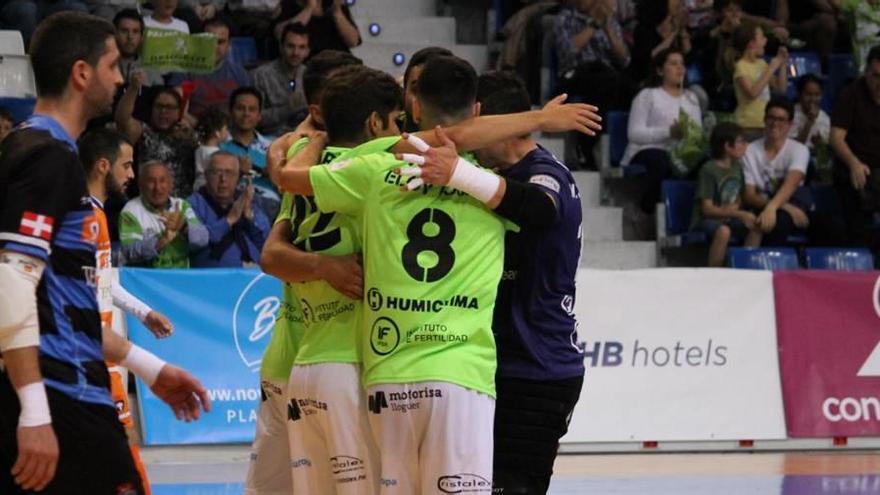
(223, 320)
(677, 355)
(829, 338)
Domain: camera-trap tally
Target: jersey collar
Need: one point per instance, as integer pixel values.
(53, 127)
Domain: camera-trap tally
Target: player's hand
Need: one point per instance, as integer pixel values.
(343, 273)
(434, 165)
(182, 392)
(858, 175)
(557, 117)
(37, 457)
(767, 219)
(159, 324)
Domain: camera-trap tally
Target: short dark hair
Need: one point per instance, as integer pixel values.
(447, 87)
(659, 60)
(873, 55)
(318, 70)
(780, 102)
(99, 143)
(352, 95)
(217, 21)
(6, 114)
(723, 134)
(502, 92)
(130, 14)
(246, 90)
(743, 35)
(807, 79)
(420, 57)
(60, 41)
(212, 120)
(296, 28)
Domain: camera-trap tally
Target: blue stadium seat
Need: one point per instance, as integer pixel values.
(694, 74)
(775, 259)
(841, 70)
(616, 125)
(801, 63)
(21, 108)
(243, 50)
(678, 197)
(840, 259)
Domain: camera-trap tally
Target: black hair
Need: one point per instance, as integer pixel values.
(212, 120)
(99, 143)
(217, 21)
(502, 92)
(246, 90)
(807, 79)
(6, 114)
(130, 14)
(743, 35)
(725, 133)
(873, 55)
(318, 70)
(352, 95)
(656, 79)
(420, 57)
(780, 102)
(447, 87)
(61, 40)
(297, 28)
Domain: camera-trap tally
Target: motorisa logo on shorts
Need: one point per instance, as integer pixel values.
(253, 319)
(464, 483)
(401, 400)
(348, 469)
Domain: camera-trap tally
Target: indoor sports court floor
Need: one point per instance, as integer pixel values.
(844, 472)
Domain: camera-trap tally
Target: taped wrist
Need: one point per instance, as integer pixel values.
(34, 405)
(144, 364)
(527, 205)
(475, 181)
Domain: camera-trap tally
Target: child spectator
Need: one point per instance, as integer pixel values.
(7, 122)
(718, 201)
(753, 78)
(812, 125)
(212, 130)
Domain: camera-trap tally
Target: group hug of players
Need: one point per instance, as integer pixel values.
(426, 342)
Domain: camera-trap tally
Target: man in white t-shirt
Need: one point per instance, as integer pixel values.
(161, 17)
(775, 167)
(812, 126)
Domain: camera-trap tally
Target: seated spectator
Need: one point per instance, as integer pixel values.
(655, 122)
(245, 106)
(659, 29)
(212, 130)
(130, 39)
(158, 230)
(864, 26)
(812, 126)
(166, 137)
(592, 60)
(162, 17)
(331, 26)
(718, 202)
(775, 167)
(214, 89)
(281, 83)
(24, 15)
(7, 122)
(254, 17)
(753, 78)
(815, 22)
(237, 226)
(855, 134)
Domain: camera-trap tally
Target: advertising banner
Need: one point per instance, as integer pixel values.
(677, 355)
(829, 336)
(223, 320)
(166, 50)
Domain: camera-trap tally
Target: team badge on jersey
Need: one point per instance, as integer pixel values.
(36, 225)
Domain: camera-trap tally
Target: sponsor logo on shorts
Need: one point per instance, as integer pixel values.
(297, 408)
(464, 483)
(300, 463)
(347, 469)
(402, 401)
(384, 336)
(293, 412)
(388, 482)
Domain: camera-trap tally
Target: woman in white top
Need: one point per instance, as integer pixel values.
(654, 125)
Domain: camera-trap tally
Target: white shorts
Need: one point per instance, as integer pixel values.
(269, 470)
(433, 437)
(331, 448)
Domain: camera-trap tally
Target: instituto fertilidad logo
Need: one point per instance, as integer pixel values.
(871, 366)
(253, 319)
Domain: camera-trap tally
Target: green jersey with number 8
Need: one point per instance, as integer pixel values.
(432, 262)
(331, 319)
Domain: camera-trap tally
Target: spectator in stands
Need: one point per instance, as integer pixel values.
(214, 88)
(253, 18)
(855, 134)
(812, 126)
(159, 230)
(108, 9)
(281, 82)
(775, 167)
(331, 26)
(7, 122)
(24, 15)
(655, 122)
(130, 38)
(592, 60)
(864, 25)
(815, 22)
(768, 15)
(245, 107)
(411, 78)
(718, 202)
(167, 137)
(237, 226)
(162, 17)
(659, 29)
(753, 78)
(719, 81)
(212, 130)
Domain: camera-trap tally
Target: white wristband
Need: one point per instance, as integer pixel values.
(34, 405)
(144, 364)
(479, 183)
